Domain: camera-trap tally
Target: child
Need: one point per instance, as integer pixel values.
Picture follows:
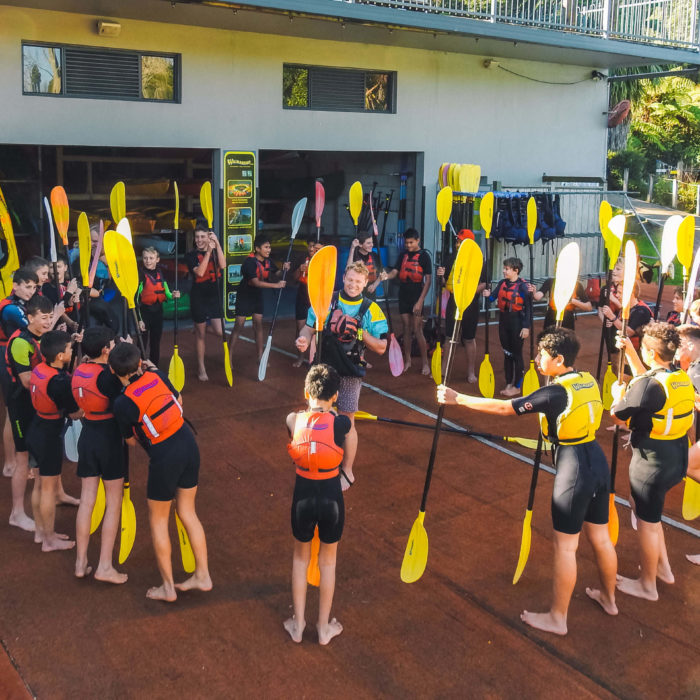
(69, 294)
(100, 452)
(51, 397)
(362, 250)
(579, 302)
(514, 322)
(150, 410)
(658, 405)
(675, 317)
(40, 267)
(640, 315)
(694, 313)
(571, 409)
(318, 498)
(152, 292)
(257, 272)
(303, 304)
(413, 269)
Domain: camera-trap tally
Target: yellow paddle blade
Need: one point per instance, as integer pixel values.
(84, 247)
(61, 212)
(467, 270)
(686, 239)
(363, 415)
(451, 175)
(12, 261)
(531, 219)
(205, 202)
(609, 378)
(436, 364)
(2, 198)
(616, 231)
(227, 364)
(443, 206)
(691, 499)
(355, 201)
(565, 277)
(98, 509)
(525, 541)
(487, 382)
(121, 261)
(454, 182)
(313, 573)
(441, 171)
(692, 281)
(117, 202)
(629, 278)
(470, 178)
(528, 442)
(415, 557)
(186, 553)
(613, 521)
(176, 218)
(604, 215)
(669, 241)
(531, 381)
(176, 370)
(128, 529)
(321, 280)
(486, 213)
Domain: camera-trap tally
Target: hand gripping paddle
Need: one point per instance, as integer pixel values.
(297, 216)
(176, 369)
(565, 279)
(443, 209)
(487, 383)
(467, 270)
(320, 203)
(531, 381)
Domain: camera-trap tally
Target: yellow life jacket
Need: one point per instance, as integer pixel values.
(676, 417)
(578, 422)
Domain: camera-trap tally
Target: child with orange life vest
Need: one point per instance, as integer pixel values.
(303, 303)
(514, 322)
(149, 410)
(100, 452)
(414, 270)
(152, 292)
(362, 250)
(675, 316)
(50, 389)
(318, 435)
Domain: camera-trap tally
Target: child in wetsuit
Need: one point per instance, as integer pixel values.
(318, 435)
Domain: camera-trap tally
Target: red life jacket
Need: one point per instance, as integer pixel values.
(153, 291)
(411, 269)
(160, 413)
(35, 359)
(86, 394)
(304, 276)
(509, 298)
(5, 302)
(210, 274)
(44, 405)
(313, 447)
(368, 262)
(263, 269)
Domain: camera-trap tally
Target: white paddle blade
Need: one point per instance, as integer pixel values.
(70, 440)
(53, 257)
(566, 277)
(262, 367)
(669, 242)
(124, 229)
(630, 276)
(298, 215)
(690, 293)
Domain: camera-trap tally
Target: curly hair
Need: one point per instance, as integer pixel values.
(662, 338)
(322, 382)
(559, 341)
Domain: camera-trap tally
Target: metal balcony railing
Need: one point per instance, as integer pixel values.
(659, 22)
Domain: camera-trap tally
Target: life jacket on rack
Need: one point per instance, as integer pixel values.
(313, 447)
(44, 405)
(160, 413)
(509, 296)
(411, 270)
(211, 273)
(86, 394)
(153, 291)
(34, 360)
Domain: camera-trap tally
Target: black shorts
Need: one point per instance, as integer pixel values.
(581, 487)
(5, 379)
(19, 406)
(204, 305)
(45, 442)
(318, 502)
(409, 294)
(248, 304)
(173, 465)
(470, 318)
(101, 450)
(656, 467)
(302, 304)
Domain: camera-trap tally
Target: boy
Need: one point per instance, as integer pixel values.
(152, 292)
(257, 271)
(318, 498)
(514, 322)
(51, 396)
(40, 267)
(303, 303)
(69, 293)
(674, 317)
(640, 315)
(413, 269)
(100, 452)
(150, 409)
(362, 250)
(571, 409)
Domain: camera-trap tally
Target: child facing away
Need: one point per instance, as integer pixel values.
(150, 410)
(318, 435)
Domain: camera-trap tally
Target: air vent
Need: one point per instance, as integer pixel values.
(337, 90)
(94, 73)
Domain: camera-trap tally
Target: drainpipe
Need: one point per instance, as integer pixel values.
(651, 187)
(674, 193)
(694, 36)
(606, 18)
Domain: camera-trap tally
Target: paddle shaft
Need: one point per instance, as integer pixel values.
(489, 257)
(380, 268)
(608, 282)
(657, 308)
(175, 300)
(616, 436)
(279, 293)
(387, 204)
(532, 303)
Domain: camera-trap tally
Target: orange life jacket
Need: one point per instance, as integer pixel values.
(509, 296)
(35, 359)
(44, 405)
(160, 413)
(313, 447)
(86, 394)
(263, 269)
(411, 269)
(211, 274)
(304, 276)
(368, 262)
(153, 291)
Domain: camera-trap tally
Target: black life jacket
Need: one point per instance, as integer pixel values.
(342, 345)
(36, 357)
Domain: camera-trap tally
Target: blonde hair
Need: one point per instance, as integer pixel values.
(695, 308)
(150, 249)
(358, 267)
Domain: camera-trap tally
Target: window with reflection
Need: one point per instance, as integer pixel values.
(158, 78)
(41, 67)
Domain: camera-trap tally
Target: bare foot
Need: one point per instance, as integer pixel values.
(693, 558)
(110, 575)
(296, 631)
(8, 470)
(472, 379)
(664, 573)
(22, 521)
(504, 392)
(194, 582)
(406, 365)
(82, 570)
(602, 600)
(327, 632)
(633, 519)
(633, 586)
(425, 371)
(164, 593)
(544, 622)
(63, 499)
(513, 391)
(202, 376)
(55, 544)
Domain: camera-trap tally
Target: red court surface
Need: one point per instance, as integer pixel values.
(455, 633)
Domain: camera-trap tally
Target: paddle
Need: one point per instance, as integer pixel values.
(297, 216)
(70, 440)
(98, 510)
(565, 279)
(61, 213)
(467, 271)
(53, 256)
(98, 253)
(691, 499)
(117, 202)
(487, 382)
(395, 354)
(208, 211)
(531, 381)
(186, 553)
(176, 368)
(443, 210)
(685, 237)
(669, 248)
(690, 292)
(128, 528)
(320, 201)
(11, 259)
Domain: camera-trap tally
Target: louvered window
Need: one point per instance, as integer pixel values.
(82, 71)
(338, 89)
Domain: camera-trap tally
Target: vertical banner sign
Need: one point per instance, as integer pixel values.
(239, 219)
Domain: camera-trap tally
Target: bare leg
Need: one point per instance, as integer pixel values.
(693, 462)
(422, 345)
(693, 558)
(650, 550)
(295, 625)
(158, 515)
(554, 621)
(36, 508)
(235, 332)
(8, 445)
(200, 579)
(51, 541)
(350, 449)
(18, 516)
(216, 325)
(88, 496)
(663, 571)
(606, 559)
(406, 342)
(470, 346)
(327, 628)
(63, 498)
(300, 358)
(200, 330)
(114, 491)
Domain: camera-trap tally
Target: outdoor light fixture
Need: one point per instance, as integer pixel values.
(106, 27)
